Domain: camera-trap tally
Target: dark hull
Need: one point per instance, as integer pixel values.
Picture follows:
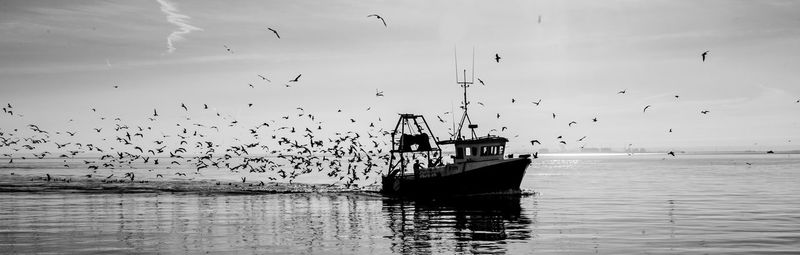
(502, 178)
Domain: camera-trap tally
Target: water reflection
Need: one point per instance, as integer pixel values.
(484, 224)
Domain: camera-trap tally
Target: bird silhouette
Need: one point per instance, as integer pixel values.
(645, 108)
(379, 17)
(622, 91)
(672, 153)
(275, 32)
(155, 113)
(484, 84)
(534, 142)
(704, 55)
(572, 122)
(705, 112)
(554, 115)
(184, 107)
(378, 93)
(497, 57)
(296, 78)
(594, 119)
(537, 102)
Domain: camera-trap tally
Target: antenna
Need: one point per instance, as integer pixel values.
(473, 65)
(455, 56)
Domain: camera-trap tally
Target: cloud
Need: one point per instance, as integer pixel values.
(178, 19)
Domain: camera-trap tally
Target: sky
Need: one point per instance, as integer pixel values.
(60, 59)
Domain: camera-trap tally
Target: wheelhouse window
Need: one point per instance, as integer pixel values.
(459, 153)
(468, 151)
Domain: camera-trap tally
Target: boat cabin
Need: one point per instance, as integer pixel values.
(478, 149)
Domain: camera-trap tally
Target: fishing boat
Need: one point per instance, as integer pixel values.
(478, 166)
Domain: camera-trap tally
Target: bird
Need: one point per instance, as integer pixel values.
(275, 32)
(296, 78)
(498, 115)
(228, 49)
(534, 142)
(704, 55)
(672, 153)
(497, 57)
(537, 102)
(622, 91)
(155, 113)
(184, 107)
(378, 93)
(677, 96)
(705, 112)
(670, 130)
(645, 108)
(379, 17)
(580, 140)
(563, 142)
(263, 78)
(484, 84)
(572, 122)
(594, 119)
(513, 100)
(554, 115)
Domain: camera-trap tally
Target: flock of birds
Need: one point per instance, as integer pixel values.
(285, 148)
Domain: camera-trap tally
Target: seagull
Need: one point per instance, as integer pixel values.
(622, 91)
(155, 113)
(573, 122)
(537, 102)
(484, 84)
(677, 96)
(705, 112)
(554, 115)
(184, 107)
(534, 142)
(497, 57)
(264, 78)
(671, 153)
(580, 140)
(645, 108)
(273, 31)
(670, 130)
(296, 78)
(228, 49)
(379, 17)
(498, 115)
(378, 93)
(594, 119)
(704, 55)
(513, 100)
(563, 142)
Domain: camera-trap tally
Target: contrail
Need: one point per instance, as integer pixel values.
(179, 20)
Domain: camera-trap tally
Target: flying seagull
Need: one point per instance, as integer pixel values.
(275, 32)
(379, 17)
(296, 78)
(572, 122)
(645, 108)
(705, 112)
(484, 84)
(622, 91)
(497, 57)
(704, 55)
(534, 142)
(378, 93)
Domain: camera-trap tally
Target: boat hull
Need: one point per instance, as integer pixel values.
(501, 178)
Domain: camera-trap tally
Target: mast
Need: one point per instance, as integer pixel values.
(465, 117)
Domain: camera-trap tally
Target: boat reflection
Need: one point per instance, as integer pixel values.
(474, 224)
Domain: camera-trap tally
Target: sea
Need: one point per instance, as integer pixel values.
(574, 204)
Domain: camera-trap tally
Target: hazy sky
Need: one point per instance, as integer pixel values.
(59, 59)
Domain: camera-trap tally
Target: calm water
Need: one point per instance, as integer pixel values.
(603, 204)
